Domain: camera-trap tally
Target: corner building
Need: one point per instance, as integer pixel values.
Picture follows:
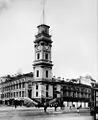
(43, 88)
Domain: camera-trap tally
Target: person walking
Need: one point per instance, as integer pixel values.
(78, 110)
(45, 109)
(15, 104)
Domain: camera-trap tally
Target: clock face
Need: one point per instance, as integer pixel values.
(39, 47)
(46, 47)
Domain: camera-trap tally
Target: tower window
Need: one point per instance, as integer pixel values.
(36, 94)
(36, 87)
(37, 74)
(46, 56)
(46, 87)
(38, 56)
(46, 73)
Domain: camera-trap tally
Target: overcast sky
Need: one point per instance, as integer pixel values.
(73, 25)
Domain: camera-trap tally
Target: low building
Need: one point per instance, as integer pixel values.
(76, 94)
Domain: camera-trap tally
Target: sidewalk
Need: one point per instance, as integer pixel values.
(6, 108)
(66, 110)
(36, 111)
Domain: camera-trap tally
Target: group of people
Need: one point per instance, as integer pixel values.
(17, 103)
(78, 108)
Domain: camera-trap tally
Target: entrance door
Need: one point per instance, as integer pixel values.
(29, 93)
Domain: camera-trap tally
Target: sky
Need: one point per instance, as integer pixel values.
(73, 26)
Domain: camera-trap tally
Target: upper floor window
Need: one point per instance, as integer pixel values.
(22, 93)
(36, 87)
(46, 56)
(14, 94)
(17, 94)
(37, 73)
(36, 94)
(38, 55)
(46, 73)
(46, 94)
(19, 85)
(23, 85)
(16, 86)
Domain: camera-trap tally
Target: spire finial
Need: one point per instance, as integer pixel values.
(43, 11)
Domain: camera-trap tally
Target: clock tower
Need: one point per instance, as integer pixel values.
(42, 64)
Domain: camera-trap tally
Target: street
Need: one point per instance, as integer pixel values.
(39, 114)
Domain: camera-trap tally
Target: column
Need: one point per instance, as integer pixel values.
(84, 104)
(76, 104)
(67, 104)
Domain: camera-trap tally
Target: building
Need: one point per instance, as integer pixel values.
(15, 87)
(76, 94)
(40, 86)
(73, 92)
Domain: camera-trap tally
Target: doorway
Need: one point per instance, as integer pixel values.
(30, 93)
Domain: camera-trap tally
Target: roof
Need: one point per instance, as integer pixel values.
(43, 25)
(19, 76)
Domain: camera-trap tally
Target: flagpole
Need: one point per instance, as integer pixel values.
(43, 11)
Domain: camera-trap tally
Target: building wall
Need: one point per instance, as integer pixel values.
(59, 90)
(33, 90)
(18, 88)
(77, 92)
(42, 91)
(42, 73)
(14, 88)
(50, 91)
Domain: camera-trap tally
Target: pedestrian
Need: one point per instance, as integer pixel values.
(45, 108)
(55, 107)
(78, 110)
(15, 103)
(70, 107)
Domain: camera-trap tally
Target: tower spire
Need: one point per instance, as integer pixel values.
(43, 11)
